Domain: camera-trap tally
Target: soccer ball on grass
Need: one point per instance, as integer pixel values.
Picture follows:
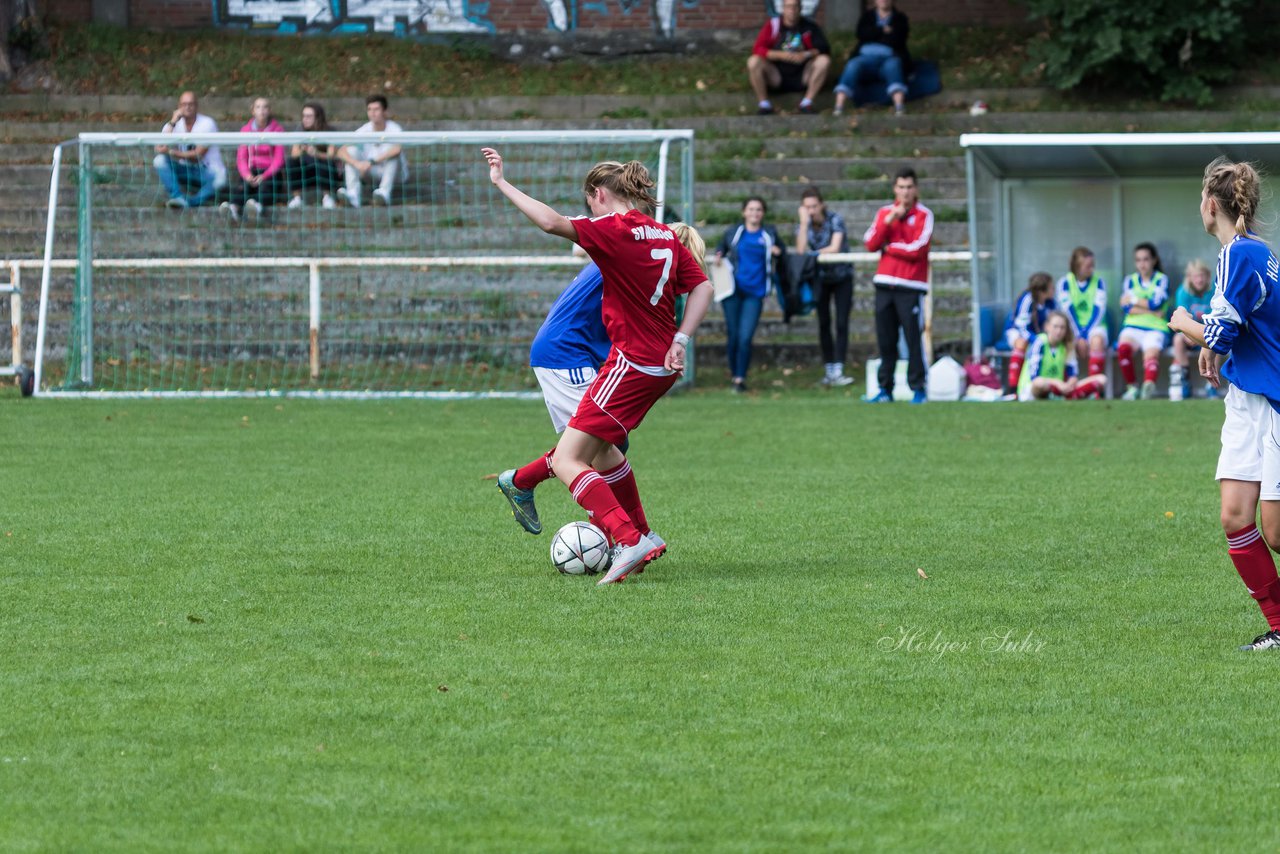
(580, 548)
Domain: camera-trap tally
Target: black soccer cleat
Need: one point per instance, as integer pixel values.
(1270, 640)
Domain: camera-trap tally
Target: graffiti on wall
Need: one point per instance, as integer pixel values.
(401, 17)
(807, 7)
(412, 17)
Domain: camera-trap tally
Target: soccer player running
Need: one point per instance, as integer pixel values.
(643, 267)
(1240, 342)
(566, 356)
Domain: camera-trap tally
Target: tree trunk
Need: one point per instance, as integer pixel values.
(12, 14)
(8, 10)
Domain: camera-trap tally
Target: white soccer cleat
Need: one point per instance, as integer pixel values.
(252, 208)
(295, 203)
(625, 559)
(658, 543)
(659, 549)
(328, 203)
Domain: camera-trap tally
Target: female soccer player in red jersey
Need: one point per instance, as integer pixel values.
(570, 338)
(644, 268)
(1240, 342)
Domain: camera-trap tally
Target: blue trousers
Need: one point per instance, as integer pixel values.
(871, 68)
(177, 175)
(741, 316)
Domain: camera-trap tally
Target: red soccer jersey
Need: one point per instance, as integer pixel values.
(644, 268)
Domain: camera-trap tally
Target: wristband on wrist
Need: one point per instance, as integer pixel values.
(681, 339)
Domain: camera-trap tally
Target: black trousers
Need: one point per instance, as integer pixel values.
(307, 171)
(839, 294)
(899, 308)
(266, 193)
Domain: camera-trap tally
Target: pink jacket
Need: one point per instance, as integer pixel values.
(266, 159)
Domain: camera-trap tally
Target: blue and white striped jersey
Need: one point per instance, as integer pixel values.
(1245, 317)
(1036, 357)
(1028, 318)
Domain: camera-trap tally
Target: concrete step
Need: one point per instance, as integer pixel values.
(942, 192)
(827, 169)
(713, 115)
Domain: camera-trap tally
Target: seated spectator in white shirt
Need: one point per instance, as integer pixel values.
(183, 168)
(383, 162)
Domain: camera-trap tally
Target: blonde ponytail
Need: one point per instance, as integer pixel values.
(692, 240)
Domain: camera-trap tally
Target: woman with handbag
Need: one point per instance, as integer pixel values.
(750, 249)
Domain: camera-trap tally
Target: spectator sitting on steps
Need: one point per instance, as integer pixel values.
(881, 55)
(184, 167)
(383, 162)
(313, 165)
(791, 54)
(259, 166)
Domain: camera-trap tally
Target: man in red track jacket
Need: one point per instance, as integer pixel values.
(791, 54)
(901, 234)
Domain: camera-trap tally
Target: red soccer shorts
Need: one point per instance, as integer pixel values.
(619, 399)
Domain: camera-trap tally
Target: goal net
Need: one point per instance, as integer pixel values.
(438, 293)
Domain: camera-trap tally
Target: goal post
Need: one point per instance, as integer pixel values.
(437, 294)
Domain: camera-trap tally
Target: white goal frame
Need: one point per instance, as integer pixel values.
(86, 263)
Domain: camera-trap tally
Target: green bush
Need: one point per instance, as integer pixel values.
(1174, 49)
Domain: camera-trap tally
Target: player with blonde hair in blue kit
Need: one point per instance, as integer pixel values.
(1194, 295)
(1240, 342)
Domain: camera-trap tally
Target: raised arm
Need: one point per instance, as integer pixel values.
(538, 213)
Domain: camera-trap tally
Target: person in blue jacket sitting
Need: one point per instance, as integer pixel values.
(881, 55)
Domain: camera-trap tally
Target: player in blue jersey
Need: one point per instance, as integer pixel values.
(570, 346)
(1027, 321)
(1194, 295)
(1240, 342)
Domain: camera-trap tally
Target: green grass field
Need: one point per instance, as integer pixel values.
(305, 626)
